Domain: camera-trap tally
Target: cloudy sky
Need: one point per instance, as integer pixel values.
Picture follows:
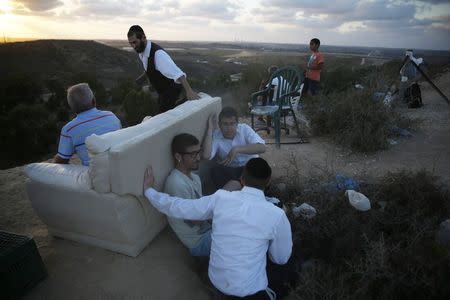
(387, 23)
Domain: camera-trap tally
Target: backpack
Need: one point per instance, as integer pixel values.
(413, 96)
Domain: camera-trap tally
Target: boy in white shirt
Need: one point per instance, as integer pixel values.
(233, 145)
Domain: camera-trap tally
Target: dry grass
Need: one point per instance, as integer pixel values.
(384, 253)
(353, 119)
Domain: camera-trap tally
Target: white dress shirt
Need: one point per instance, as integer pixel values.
(163, 63)
(245, 226)
(245, 135)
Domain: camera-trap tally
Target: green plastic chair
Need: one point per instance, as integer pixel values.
(279, 104)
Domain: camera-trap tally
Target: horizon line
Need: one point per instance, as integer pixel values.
(16, 40)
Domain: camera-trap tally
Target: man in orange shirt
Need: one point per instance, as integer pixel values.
(313, 68)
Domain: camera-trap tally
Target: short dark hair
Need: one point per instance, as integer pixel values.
(315, 41)
(137, 31)
(256, 173)
(228, 112)
(181, 141)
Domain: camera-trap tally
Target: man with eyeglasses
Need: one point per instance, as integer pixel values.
(181, 182)
(246, 230)
(233, 144)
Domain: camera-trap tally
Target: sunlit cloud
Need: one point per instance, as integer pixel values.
(351, 26)
(389, 22)
(6, 6)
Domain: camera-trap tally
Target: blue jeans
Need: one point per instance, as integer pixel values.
(204, 246)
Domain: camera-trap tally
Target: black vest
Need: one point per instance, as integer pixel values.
(167, 88)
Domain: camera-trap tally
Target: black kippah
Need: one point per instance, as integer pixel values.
(258, 168)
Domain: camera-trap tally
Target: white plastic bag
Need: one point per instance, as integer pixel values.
(358, 200)
(305, 210)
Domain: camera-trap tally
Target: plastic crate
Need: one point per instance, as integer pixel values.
(21, 266)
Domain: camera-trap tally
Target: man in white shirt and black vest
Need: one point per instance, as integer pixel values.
(166, 77)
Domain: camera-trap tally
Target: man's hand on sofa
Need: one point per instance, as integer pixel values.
(149, 178)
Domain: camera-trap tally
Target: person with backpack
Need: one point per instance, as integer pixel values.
(409, 88)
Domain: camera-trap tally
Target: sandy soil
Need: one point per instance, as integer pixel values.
(165, 270)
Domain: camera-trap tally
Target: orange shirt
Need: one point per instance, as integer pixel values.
(314, 60)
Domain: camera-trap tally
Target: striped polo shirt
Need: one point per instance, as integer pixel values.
(88, 122)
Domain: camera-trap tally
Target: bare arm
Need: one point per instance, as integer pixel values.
(243, 149)
(207, 139)
(200, 209)
(250, 149)
(318, 67)
(190, 93)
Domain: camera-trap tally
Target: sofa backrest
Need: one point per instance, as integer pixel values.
(119, 158)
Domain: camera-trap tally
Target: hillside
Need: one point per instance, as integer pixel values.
(62, 59)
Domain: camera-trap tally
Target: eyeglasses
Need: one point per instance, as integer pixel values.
(228, 124)
(192, 154)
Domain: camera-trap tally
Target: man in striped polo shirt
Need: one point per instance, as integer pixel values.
(89, 120)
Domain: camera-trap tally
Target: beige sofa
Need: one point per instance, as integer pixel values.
(103, 204)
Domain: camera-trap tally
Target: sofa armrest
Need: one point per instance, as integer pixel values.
(64, 175)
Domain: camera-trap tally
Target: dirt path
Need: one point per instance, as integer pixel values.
(165, 270)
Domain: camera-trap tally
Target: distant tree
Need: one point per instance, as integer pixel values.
(137, 105)
(29, 134)
(58, 98)
(19, 89)
(101, 96)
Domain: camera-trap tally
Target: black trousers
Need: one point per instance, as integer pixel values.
(166, 102)
(261, 295)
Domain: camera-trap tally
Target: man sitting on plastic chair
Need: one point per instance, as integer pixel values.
(284, 84)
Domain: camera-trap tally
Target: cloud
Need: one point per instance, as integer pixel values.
(342, 21)
(313, 6)
(107, 8)
(348, 10)
(383, 10)
(212, 9)
(435, 1)
(31, 7)
(38, 6)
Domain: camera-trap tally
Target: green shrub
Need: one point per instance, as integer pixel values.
(29, 134)
(96, 86)
(241, 91)
(122, 88)
(137, 105)
(352, 118)
(18, 89)
(387, 253)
